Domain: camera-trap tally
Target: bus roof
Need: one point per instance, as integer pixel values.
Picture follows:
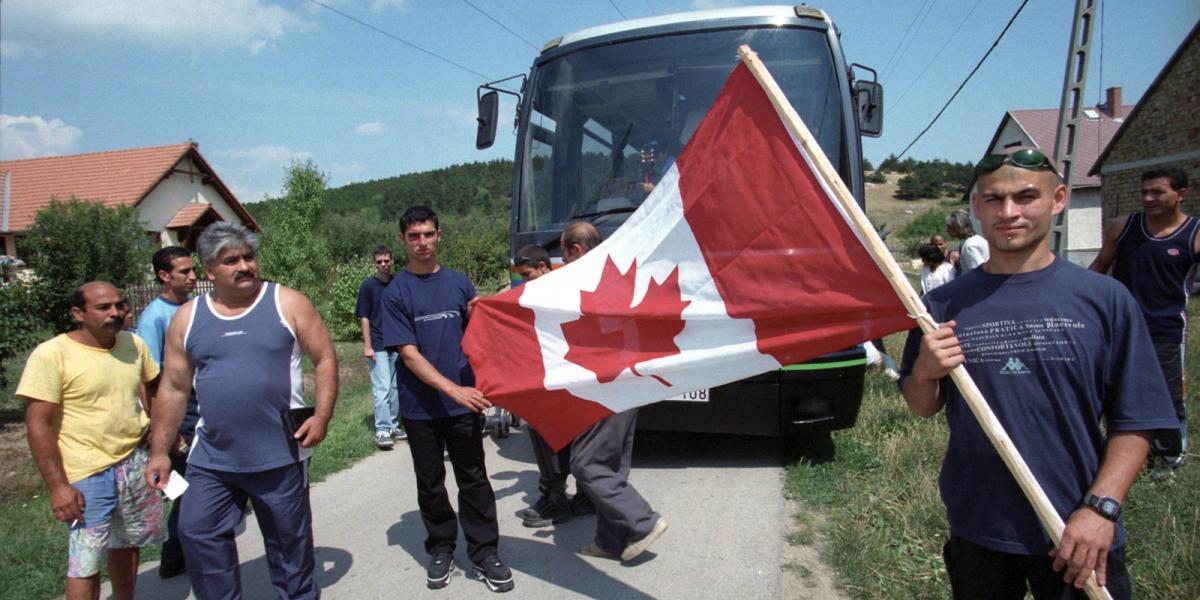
(782, 13)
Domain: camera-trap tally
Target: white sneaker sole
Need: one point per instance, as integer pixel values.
(493, 585)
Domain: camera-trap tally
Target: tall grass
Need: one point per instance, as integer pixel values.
(33, 555)
(884, 522)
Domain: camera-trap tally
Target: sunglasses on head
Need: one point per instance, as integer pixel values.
(524, 260)
(1025, 159)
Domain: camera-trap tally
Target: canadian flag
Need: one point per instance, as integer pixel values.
(739, 262)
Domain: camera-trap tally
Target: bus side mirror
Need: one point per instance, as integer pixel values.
(489, 110)
(868, 100)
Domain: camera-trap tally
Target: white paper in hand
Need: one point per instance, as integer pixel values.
(176, 486)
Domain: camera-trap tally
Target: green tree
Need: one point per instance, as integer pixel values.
(78, 241)
(294, 250)
(20, 323)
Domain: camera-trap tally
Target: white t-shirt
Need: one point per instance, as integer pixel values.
(943, 274)
(972, 252)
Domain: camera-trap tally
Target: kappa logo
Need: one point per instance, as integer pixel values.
(1014, 366)
(445, 314)
(233, 333)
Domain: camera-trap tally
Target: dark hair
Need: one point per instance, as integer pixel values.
(76, 298)
(1177, 176)
(931, 254)
(164, 258)
(582, 233)
(417, 214)
(532, 255)
(381, 249)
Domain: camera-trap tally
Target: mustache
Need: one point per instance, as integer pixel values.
(242, 274)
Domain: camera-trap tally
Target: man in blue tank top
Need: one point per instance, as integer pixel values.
(1062, 357)
(1154, 253)
(424, 313)
(175, 270)
(242, 345)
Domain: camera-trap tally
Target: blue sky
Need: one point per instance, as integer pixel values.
(260, 82)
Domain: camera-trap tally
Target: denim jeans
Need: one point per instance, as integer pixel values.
(383, 386)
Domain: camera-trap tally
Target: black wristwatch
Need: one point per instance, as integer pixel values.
(1108, 507)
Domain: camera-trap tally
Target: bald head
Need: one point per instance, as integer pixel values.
(577, 239)
(91, 289)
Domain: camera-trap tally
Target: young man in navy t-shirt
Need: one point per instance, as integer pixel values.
(380, 361)
(1057, 351)
(424, 314)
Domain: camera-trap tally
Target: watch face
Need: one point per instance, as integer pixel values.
(1108, 506)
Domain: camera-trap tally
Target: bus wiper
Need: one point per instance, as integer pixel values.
(611, 211)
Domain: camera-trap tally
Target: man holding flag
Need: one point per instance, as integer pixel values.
(1060, 351)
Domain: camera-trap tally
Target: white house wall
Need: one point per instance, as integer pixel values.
(175, 192)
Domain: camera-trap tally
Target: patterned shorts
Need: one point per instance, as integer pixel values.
(120, 511)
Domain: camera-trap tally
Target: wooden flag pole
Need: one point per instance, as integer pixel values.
(1050, 520)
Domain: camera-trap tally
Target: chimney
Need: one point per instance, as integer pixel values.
(1112, 102)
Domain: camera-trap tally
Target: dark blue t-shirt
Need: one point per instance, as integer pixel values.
(1054, 351)
(1159, 273)
(369, 294)
(429, 312)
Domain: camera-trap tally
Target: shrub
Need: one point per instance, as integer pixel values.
(343, 296)
(74, 242)
(19, 321)
(925, 225)
(293, 251)
(876, 177)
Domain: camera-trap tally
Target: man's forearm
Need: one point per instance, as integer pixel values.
(365, 324)
(1124, 456)
(169, 405)
(43, 445)
(924, 397)
(325, 396)
(423, 369)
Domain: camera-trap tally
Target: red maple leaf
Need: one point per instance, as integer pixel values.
(611, 334)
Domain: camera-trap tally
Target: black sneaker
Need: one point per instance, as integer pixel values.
(582, 505)
(441, 565)
(493, 572)
(543, 514)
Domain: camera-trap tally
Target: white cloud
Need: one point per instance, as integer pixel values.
(30, 137)
(250, 24)
(259, 158)
(371, 128)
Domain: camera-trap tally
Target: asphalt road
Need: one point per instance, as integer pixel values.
(721, 496)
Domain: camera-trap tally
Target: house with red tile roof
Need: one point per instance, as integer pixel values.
(177, 193)
(1097, 126)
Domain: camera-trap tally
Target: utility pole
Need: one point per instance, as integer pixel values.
(1069, 111)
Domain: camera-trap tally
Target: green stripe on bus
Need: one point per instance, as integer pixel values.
(826, 365)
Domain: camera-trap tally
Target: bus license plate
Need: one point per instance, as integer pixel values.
(700, 395)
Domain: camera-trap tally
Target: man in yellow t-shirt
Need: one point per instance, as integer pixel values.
(86, 425)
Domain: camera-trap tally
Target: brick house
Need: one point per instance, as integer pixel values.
(1162, 131)
(1097, 126)
(176, 192)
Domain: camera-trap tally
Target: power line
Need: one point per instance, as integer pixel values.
(493, 19)
(618, 9)
(909, 43)
(402, 41)
(888, 64)
(896, 102)
(969, 75)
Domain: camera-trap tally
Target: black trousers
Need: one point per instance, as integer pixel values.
(979, 573)
(553, 467)
(462, 437)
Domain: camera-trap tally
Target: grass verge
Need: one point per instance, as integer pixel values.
(33, 556)
(885, 523)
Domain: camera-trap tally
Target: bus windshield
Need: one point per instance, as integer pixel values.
(604, 123)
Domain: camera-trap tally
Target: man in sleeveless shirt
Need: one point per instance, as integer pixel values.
(242, 345)
(1154, 253)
